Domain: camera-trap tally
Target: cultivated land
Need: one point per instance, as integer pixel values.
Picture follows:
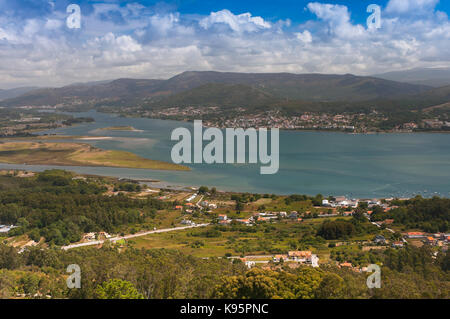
(76, 154)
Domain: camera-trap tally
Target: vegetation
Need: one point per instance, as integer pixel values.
(60, 209)
(114, 273)
(76, 154)
(430, 215)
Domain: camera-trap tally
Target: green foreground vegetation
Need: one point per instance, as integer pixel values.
(56, 208)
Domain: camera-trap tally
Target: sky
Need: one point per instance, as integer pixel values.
(159, 39)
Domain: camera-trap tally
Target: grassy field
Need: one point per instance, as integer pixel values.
(76, 154)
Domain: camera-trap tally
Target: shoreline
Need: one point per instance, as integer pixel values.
(288, 129)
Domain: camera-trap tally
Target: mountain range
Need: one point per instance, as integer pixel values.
(227, 89)
(436, 77)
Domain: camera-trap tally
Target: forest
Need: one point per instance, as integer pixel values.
(112, 272)
(60, 209)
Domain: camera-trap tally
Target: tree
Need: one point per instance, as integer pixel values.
(203, 190)
(330, 287)
(117, 289)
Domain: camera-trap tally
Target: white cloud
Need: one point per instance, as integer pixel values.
(304, 36)
(338, 19)
(411, 6)
(244, 22)
(159, 44)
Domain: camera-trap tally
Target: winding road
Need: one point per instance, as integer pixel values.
(98, 242)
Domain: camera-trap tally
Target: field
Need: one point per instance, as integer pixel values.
(242, 240)
(76, 154)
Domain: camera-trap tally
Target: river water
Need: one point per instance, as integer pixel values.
(330, 163)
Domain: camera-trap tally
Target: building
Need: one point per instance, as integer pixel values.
(191, 197)
(431, 241)
(379, 240)
(301, 256)
(244, 221)
(397, 244)
(293, 215)
(89, 236)
(223, 217)
(412, 235)
(278, 258)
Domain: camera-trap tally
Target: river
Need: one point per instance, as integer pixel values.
(330, 163)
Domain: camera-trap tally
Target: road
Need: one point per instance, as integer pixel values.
(98, 242)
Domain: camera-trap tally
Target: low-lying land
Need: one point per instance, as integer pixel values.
(76, 154)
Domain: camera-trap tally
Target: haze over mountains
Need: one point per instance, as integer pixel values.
(12, 93)
(231, 90)
(436, 77)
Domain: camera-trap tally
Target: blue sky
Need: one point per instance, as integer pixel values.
(158, 39)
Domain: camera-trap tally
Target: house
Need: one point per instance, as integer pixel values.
(415, 235)
(374, 202)
(300, 255)
(187, 222)
(282, 214)
(326, 203)
(104, 234)
(293, 215)
(179, 207)
(89, 236)
(278, 258)
(397, 244)
(346, 264)
(244, 221)
(223, 217)
(388, 221)
(189, 204)
(379, 239)
(431, 241)
(191, 197)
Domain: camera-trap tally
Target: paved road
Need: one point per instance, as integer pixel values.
(98, 242)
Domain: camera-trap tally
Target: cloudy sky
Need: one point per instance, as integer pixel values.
(154, 39)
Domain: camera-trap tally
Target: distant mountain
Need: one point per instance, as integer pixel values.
(436, 77)
(224, 95)
(12, 93)
(309, 87)
(126, 90)
(200, 88)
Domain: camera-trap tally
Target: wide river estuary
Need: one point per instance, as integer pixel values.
(358, 166)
